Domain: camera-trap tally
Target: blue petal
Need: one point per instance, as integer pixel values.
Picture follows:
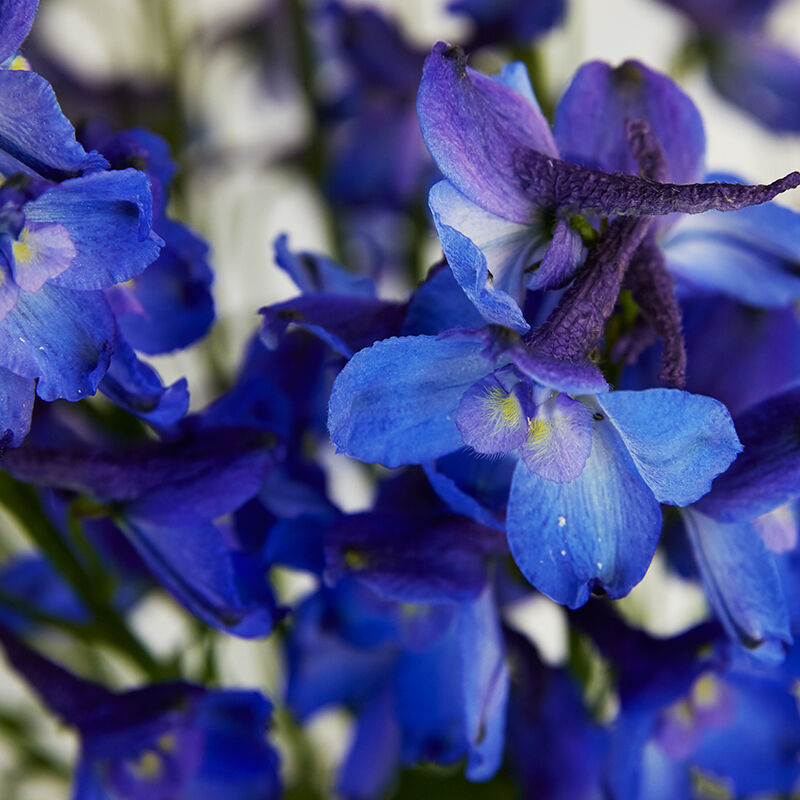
(600, 530)
(373, 757)
(679, 441)
(393, 403)
(742, 583)
(410, 558)
(473, 485)
(194, 562)
(488, 254)
(472, 126)
(347, 323)
(591, 117)
(107, 216)
(61, 337)
(9, 290)
(559, 439)
(439, 305)
(35, 136)
(16, 18)
(16, 405)
(485, 684)
(749, 255)
(315, 273)
(136, 387)
(170, 304)
(767, 474)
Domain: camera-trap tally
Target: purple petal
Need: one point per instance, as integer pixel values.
(767, 473)
(473, 126)
(42, 251)
(16, 18)
(573, 377)
(562, 258)
(591, 116)
(490, 417)
(559, 439)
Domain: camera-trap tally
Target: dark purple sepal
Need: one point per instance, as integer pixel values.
(767, 473)
(652, 288)
(570, 188)
(576, 324)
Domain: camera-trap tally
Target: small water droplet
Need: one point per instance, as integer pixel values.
(21, 339)
(563, 552)
(562, 520)
(599, 565)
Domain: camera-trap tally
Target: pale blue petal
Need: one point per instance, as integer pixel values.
(679, 441)
(600, 531)
(742, 583)
(394, 402)
(488, 254)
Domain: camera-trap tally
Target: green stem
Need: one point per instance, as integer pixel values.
(22, 502)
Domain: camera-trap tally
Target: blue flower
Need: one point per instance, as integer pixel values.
(506, 212)
(170, 741)
(593, 467)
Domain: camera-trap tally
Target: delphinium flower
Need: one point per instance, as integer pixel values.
(71, 230)
(168, 741)
(415, 399)
(411, 602)
(745, 65)
(692, 714)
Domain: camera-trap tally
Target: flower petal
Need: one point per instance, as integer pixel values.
(592, 114)
(394, 402)
(61, 337)
(742, 583)
(600, 530)
(488, 254)
(559, 439)
(35, 136)
(679, 441)
(490, 417)
(472, 126)
(767, 474)
(108, 217)
(16, 18)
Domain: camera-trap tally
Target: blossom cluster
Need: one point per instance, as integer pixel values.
(600, 373)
